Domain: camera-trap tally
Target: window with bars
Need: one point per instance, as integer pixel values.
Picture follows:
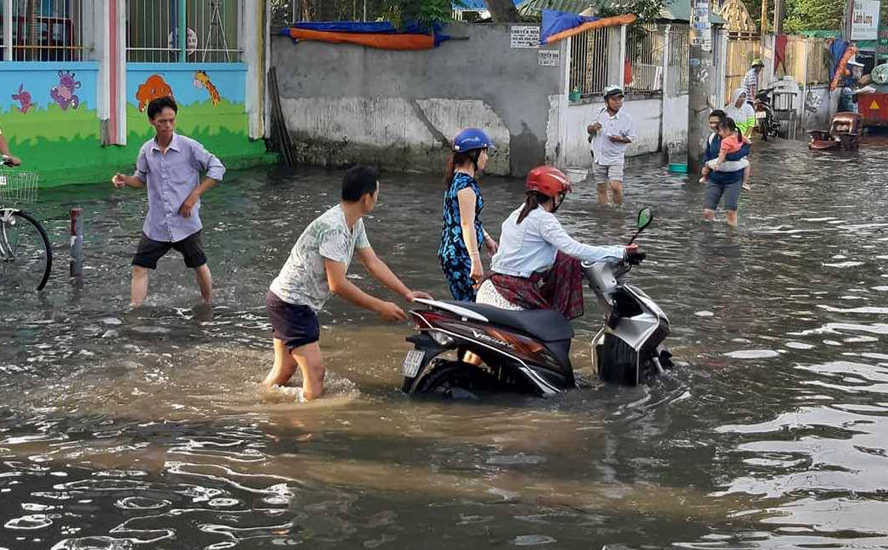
(592, 55)
(644, 51)
(212, 30)
(44, 30)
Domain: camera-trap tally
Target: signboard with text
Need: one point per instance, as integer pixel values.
(865, 20)
(525, 36)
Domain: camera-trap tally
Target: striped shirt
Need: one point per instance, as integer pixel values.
(750, 83)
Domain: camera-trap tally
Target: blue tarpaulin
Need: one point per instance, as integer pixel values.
(555, 22)
(837, 50)
(381, 35)
(381, 27)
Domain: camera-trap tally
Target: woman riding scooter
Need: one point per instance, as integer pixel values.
(537, 265)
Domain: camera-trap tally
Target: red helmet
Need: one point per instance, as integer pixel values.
(548, 180)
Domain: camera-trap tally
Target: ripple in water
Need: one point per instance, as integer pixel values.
(141, 503)
(532, 540)
(29, 523)
(752, 354)
(94, 543)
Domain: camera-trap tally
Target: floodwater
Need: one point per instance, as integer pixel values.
(148, 429)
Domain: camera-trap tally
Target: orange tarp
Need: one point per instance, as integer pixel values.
(626, 19)
(840, 67)
(381, 41)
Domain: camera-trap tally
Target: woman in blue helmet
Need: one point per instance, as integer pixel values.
(463, 234)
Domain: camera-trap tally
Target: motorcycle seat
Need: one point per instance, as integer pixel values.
(546, 324)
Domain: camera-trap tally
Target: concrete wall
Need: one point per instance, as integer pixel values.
(347, 103)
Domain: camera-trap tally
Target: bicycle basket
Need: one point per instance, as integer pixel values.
(17, 187)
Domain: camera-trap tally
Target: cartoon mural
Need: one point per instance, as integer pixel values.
(49, 115)
(24, 99)
(63, 94)
(202, 80)
(153, 88)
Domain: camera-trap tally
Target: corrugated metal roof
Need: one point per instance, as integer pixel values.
(677, 10)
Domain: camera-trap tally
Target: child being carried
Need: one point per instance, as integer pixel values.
(731, 142)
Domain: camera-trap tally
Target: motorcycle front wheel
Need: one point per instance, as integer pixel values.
(453, 380)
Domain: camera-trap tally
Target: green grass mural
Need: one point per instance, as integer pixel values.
(64, 146)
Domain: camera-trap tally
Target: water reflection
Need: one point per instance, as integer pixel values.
(148, 428)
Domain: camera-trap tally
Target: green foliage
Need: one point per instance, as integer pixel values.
(425, 12)
(812, 15)
(647, 11)
(803, 15)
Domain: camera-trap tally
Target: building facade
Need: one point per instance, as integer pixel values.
(77, 75)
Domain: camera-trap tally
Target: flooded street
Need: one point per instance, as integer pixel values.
(148, 428)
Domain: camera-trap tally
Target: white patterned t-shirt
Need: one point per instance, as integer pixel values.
(303, 279)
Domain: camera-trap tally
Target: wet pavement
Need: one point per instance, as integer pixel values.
(148, 429)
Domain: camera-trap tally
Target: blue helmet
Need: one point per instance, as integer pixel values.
(471, 138)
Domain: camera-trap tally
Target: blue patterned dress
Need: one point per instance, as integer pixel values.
(453, 254)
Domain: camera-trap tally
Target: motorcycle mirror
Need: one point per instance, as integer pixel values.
(645, 217)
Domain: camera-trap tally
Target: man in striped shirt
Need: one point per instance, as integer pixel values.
(751, 79)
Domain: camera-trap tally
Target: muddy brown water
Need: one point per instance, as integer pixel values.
(147, 428)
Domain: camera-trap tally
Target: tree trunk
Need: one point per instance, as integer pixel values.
(503, 11)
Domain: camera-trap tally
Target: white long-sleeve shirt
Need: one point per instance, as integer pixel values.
(531, 246)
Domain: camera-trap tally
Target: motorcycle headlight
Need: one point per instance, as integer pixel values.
(442, 339)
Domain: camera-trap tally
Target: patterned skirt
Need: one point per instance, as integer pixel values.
(560, 288)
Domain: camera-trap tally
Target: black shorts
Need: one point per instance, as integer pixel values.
(150, 251)
(294, 325)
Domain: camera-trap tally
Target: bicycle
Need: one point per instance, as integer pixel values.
(25, 252)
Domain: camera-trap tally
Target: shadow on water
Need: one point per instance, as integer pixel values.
(148, 428)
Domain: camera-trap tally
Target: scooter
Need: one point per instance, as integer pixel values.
(764, 114)
(529, 351)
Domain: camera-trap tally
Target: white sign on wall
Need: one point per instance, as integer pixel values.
(550, 58)
(865, 20)
(525, 36)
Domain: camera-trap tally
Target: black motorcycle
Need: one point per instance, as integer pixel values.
(529, 351)
(765, 120)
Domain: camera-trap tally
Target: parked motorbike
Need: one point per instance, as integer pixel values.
(843, 134)
(765, 120)
(529, 351)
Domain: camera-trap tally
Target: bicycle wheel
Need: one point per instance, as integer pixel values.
(25, 254)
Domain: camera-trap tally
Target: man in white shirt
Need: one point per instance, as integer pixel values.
(611, 132)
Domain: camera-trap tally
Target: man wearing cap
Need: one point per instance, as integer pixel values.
(847, 100)
(751, 79)
(610, 133)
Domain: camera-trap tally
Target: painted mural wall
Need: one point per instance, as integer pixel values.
(211, 99)
(49, 116)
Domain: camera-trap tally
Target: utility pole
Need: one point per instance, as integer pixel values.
(701, 82)
(764, 24)
(849, 18)
(778, 17)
